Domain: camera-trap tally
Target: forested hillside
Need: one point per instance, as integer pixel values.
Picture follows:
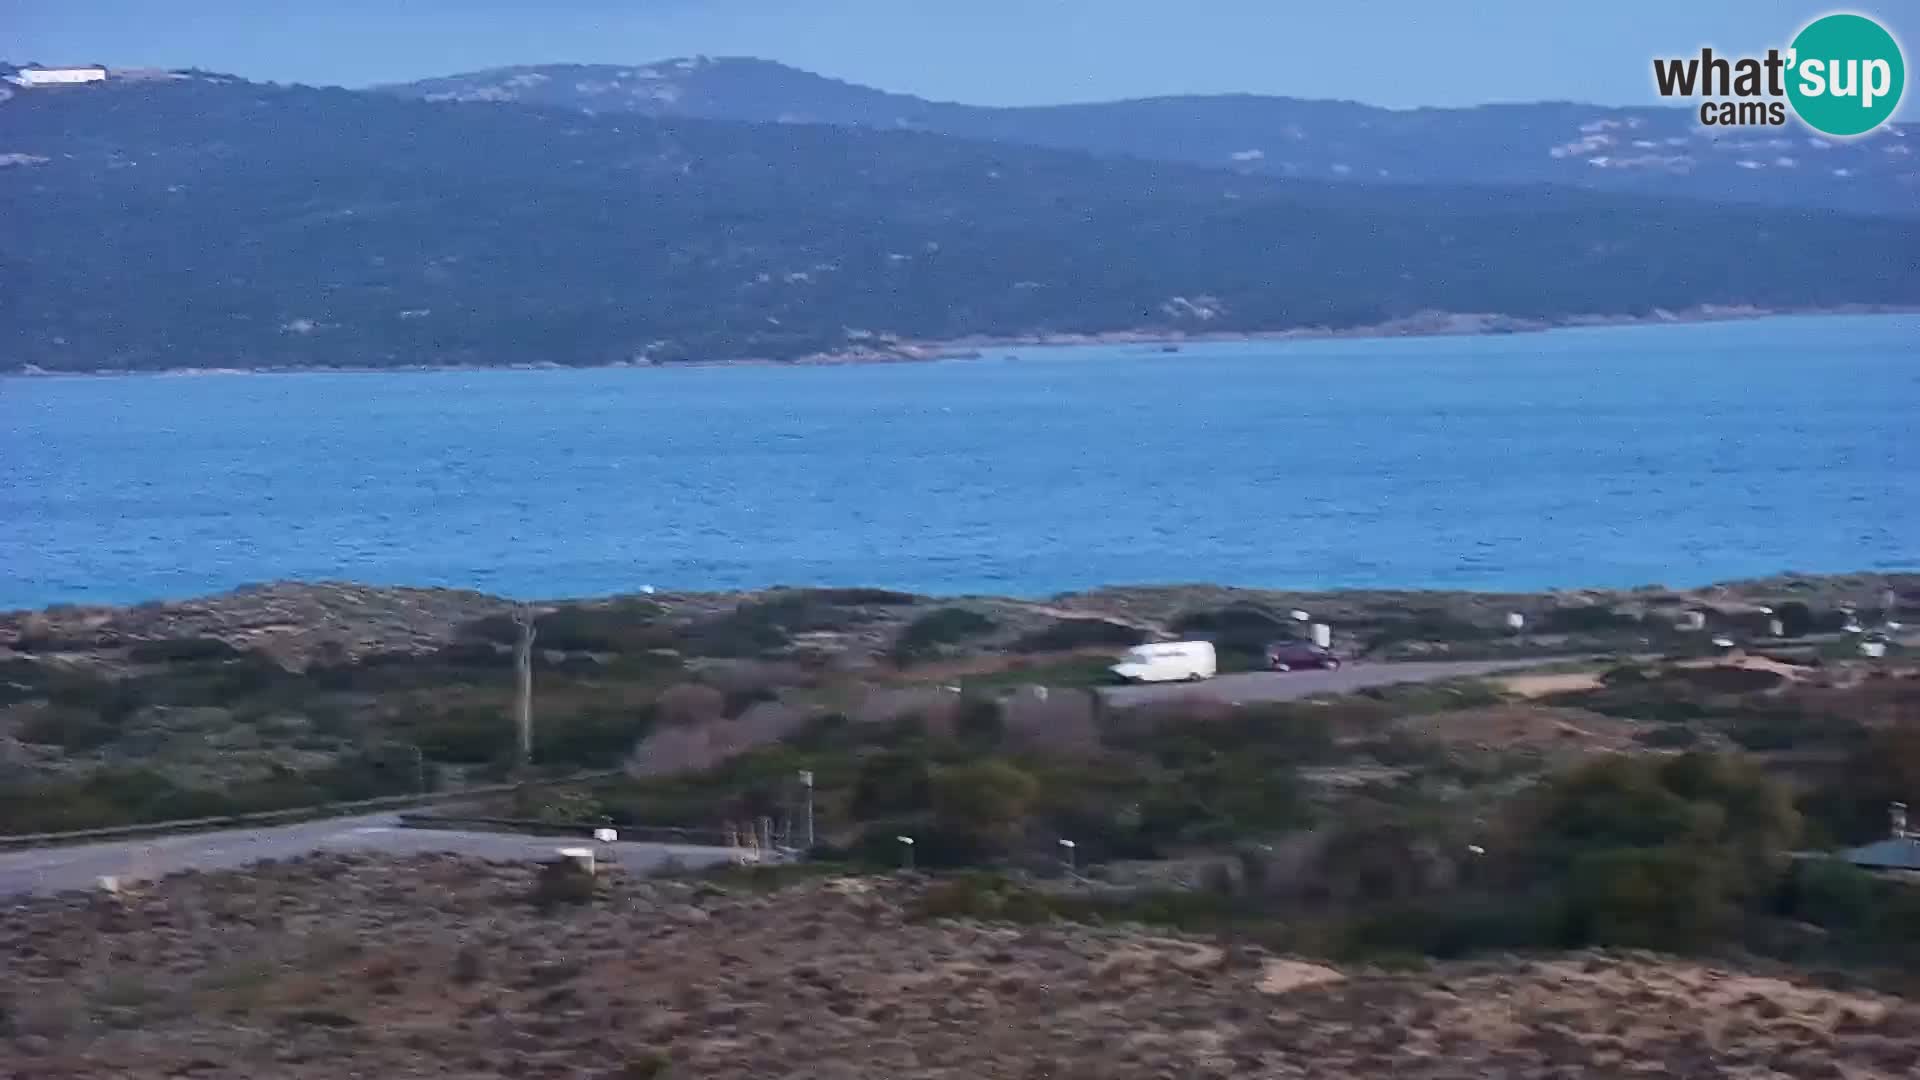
(217, 223)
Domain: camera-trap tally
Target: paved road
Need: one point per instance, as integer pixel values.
(50, 870)
(1271, 686)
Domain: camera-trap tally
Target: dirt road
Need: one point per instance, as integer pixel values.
(1256, 686)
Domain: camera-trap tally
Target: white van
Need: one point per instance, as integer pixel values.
(1167, 661)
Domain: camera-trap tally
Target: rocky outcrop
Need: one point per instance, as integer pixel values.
(293, 622)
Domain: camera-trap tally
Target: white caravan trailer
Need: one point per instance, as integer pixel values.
(1167, 661)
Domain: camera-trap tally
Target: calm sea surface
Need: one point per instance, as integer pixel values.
(1613, 457)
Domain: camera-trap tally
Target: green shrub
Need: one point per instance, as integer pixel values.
(1586, 619)
(758, 627)
(860, 597)
(924, 636)
(73, 730)
(892, 783)
(1668, 737)
(593, 737)
(1656, 851)
(1786, 727)
(1240, 633)
(1796, 619)
(1413, 699)
(1066, 635)
(1455, 925)
(934, 846)
(1669, 897)
(1833, 894)
(988, 798)
(466, 735)
(981, 722)
(1429, 626)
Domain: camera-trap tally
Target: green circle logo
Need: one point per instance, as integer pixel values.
(1845, 75)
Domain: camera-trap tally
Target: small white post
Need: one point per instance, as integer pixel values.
(580, 857)
(1898, 812)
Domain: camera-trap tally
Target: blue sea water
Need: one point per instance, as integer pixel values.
(1677, 454)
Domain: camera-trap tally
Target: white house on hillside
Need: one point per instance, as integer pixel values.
(57, 76)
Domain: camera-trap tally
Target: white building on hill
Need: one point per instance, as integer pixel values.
(57, 76)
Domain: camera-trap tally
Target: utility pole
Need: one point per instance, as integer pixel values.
(806, 781)
(523, 668)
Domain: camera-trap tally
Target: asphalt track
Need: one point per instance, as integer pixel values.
(57, 869)
(1255, 686)
(44, 871)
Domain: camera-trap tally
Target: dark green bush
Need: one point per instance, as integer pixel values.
(1585, 619)
(1668, 737)
(1429, 626)
(759, 627)
(1065, 635)
(924, 636)
(1832, 894)
(1786, 727)
(1456, 925)
(892, 783)
(1796, 618)
(989, 798)
(592, 738)
(934, 847)
(860, 597)
(981, 723)
(74, 730)
(1669, 897)
(466, 735)
(1240, 633)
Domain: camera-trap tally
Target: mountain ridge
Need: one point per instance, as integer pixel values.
(209, 223)
(1658, 150)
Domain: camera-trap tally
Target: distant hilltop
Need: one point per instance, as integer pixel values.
(264, 227)
(1650, 150)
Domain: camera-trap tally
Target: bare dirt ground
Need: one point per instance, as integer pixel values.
(345, 966)
(1541, 729)
(1536, 686)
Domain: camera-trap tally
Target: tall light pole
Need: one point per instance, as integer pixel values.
(523, 666)
(806, 781)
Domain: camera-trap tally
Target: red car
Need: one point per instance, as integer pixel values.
(1300, 656)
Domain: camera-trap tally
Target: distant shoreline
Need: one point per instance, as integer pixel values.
(899, 351)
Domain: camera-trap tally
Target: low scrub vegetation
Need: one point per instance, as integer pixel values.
(1066, 635)
(923, 637)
